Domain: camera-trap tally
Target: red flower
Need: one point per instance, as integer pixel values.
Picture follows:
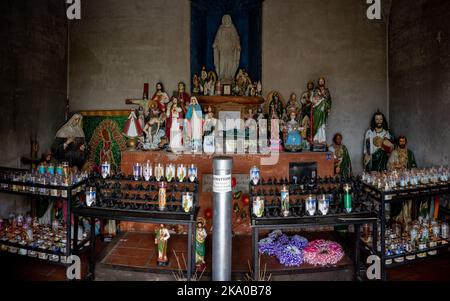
(233, 182)
(208, 213)
(245, 200)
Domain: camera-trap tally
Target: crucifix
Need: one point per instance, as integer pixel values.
(143, 102)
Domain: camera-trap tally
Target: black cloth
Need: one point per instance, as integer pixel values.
(71, 154)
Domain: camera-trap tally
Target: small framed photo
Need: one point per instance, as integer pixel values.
(227, 90)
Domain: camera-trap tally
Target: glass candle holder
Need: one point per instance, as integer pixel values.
(285, 201)
(162, 196)
(147, 171)
(192, 173)
(187, 201)
(181, 172)
(258, 206)
(159, 172)
(311, 205)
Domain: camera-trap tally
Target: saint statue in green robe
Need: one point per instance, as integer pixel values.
(321, 101)
(342, 162)
(161, 239)
(200, 239)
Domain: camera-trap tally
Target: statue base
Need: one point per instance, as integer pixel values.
(163, 264)
(275, 145)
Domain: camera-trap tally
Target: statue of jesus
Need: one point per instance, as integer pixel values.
(227, 50)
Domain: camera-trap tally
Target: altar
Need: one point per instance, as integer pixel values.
(241, 168)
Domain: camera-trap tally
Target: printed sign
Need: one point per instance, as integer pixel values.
(221, 183)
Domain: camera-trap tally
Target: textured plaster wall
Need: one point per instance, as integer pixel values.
(116, 47)
(32, 80)
(419, 56)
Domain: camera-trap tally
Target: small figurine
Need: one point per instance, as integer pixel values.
(203, 79)
(183, 97)
(194, 120)
(161, 239)
(342, 163)
(154, 131)
(160, 96)
(294, 105)
(196, 85)
(210, 122)
(132, 129)
(259, 89)
(275, 102)
(173, 125)
(307, 106)
(200, 239)
(294, 140)
(321, 102)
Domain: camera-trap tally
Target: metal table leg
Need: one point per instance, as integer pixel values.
(357, 249)
(92, 249)
(75, 234)
(189, 263)
(255, 234)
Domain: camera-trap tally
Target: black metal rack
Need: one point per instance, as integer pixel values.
(71, 192)
(271, 220)
(111, 204)
(417, 193)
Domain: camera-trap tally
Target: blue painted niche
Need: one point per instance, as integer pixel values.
(206, 17)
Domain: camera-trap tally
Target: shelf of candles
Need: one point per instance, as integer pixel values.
(42, 185)
(422, 241)
(328, 201)
(158, 197)
(401, 185)
(36, 241)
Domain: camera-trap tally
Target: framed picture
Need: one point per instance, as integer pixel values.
(227, 90)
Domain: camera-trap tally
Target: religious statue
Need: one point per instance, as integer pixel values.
(321, 102)
(69, 144)
(210, 122)
(132, 128)
(275, 103)
(203, 79)
(377, 144)
(294, 105)
(143, 103)
(259, 89)
(293, 140)
(161, 239)
(106, 154)
(342, 162)
(227, 50)
(194, 126)
(160, 96)
(242, 82)
(182, 96)
(402, 158)
(210, 84)
(196, 85)
(306, 106)
(275, 132)
(200, 238)
(154, 131)
(251, 128)
(173, 125)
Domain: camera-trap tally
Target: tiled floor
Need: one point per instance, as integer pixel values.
(138, 250)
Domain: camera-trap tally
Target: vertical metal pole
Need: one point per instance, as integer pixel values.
(255, 234)
(92, 249)
(69, 222)
(222, 238)
(357, 250)
(189, 263)
(75, 234)
(382, 237)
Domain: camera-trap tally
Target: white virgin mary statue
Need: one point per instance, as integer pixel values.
(227, 50)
